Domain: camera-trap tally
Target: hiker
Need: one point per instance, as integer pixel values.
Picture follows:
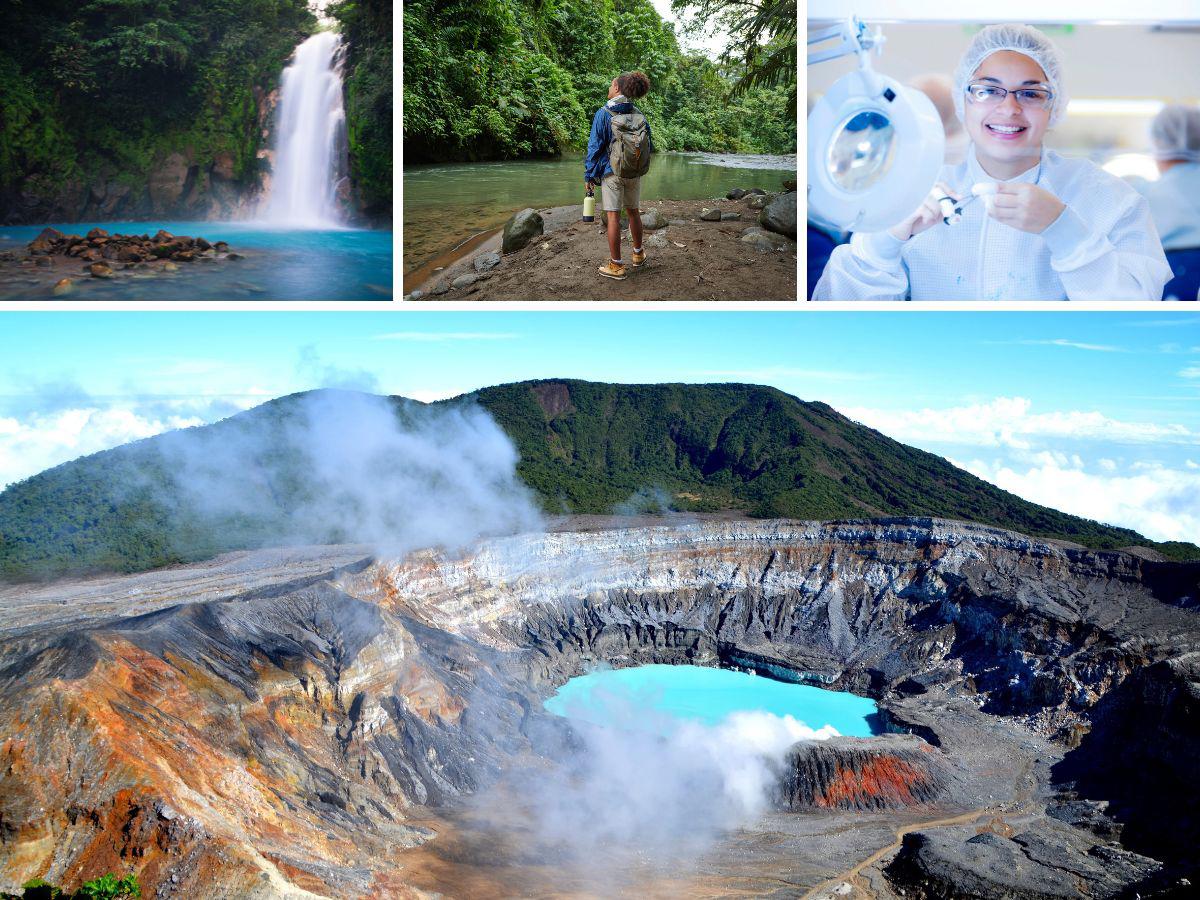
(618, 156)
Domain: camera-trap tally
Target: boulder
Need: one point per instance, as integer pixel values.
(167, 181)
(756, 201)
(658, 242)
(45, 240)
(463, 281)
(162, 237)
(521, 229)
(486, 261)
(416, 295)
(652, 220)
(730, 216)
(735, 194)
(63, 286)
(101, 270)
(780, 215)
(96, 234)
(202, 244)
(710, 215)
(767, 240)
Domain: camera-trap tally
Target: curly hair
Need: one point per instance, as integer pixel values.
(633, 85)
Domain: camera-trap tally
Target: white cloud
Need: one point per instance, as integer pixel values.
(432, 395)
(1011, 422)
(39, 441)
(1159, 502)
(1190, 372)
(1074, 345)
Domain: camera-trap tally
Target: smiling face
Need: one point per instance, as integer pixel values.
(1007, 137)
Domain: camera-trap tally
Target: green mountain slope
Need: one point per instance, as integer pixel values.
(585, 447)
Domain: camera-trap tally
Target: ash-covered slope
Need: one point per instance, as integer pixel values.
(584, 447)
(293, 738)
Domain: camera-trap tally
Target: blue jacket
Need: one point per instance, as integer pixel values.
(596, 164)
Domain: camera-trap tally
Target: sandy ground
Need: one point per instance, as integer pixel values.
(702, 261)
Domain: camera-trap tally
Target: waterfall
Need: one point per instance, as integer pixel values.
(310, 137)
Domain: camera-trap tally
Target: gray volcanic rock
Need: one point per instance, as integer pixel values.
(1049, 862)
(779, 215)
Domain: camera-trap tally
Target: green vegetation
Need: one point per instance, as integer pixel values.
(601, 448)
(106, 887)
(513, 78)
(97, 91)
(367, 28)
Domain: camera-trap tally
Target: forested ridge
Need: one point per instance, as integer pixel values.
(136, 108)
(585, 447)
(515, 78)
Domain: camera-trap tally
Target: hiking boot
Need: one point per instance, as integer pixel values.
(639, 257)
(611, 270)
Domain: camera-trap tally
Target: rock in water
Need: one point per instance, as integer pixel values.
(486, 262)
(710, 215)
(652, 220)
(44, 241)
(780, 215)
(100, 270)
(63, 286)
(521, 229)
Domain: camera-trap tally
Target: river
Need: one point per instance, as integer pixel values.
(445, 204)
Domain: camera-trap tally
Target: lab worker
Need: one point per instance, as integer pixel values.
(1034, 225)
(1175, 197)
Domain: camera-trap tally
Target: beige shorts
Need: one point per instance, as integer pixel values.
(620, 193)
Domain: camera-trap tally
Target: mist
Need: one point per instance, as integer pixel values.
(346, 467)
(647, 791)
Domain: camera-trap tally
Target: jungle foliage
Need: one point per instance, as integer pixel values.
(585, 448)
(514, 78)
(102, 88)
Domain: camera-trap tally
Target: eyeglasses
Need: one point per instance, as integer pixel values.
(993, 95)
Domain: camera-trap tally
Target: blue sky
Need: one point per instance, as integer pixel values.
(1094, 413)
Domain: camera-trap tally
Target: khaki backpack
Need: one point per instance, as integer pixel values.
(629, 152)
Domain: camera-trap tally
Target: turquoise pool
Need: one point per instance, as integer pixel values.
(662, 697)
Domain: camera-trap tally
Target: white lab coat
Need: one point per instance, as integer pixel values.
(1175, 206)
(1102, 247)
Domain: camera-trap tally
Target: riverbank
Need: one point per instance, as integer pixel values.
(689, 259)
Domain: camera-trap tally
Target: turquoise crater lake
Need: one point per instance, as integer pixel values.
(667, 696)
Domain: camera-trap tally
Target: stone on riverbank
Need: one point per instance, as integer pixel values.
(710, 215)
(486, 261)
(652, 219)
(766, 240)
(521, 229)
(780, 215)
(44, 241)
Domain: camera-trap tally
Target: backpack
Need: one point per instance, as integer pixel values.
(629, 152)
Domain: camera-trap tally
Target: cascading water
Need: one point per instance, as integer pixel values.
(310, 137)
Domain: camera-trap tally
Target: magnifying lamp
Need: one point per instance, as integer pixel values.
(874, 146)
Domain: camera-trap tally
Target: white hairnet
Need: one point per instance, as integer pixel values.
(1020, 39)
(1175, 132)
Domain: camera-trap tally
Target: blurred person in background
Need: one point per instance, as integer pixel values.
(1048, 227)
(940, 89)
(1175, 197)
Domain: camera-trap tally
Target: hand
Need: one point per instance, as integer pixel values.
(1025, 207)
(927, 215)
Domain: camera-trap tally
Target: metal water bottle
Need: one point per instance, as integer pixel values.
(589, 204)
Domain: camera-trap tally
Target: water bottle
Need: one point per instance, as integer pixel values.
(589, 204)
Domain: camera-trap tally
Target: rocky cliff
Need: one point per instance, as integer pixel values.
(295, 736)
